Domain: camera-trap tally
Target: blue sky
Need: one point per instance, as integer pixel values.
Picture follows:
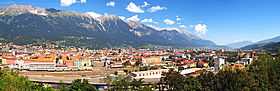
(222, 21)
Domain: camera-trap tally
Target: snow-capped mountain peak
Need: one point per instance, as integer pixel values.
(104, 30)
(19, 9)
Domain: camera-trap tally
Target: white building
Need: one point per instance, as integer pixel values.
(245, 61)
(189, 71)
(149, 74)
(41, 66)
(219, 63)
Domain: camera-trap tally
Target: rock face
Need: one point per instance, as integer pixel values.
(26, 24)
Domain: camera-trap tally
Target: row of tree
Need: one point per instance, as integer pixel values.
(262, 75)
(122, 83)
(11, 81)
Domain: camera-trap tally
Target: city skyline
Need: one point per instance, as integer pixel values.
(221, 21)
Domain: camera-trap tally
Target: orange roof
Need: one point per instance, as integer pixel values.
(9, 57)
(43, 58)
(237, 66)
(64, 58)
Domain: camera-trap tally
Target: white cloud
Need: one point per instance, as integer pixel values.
(70, 2)
(111, 4)
(200, 28)
(191, 26)
(83, 1)
(93, 14)
(169, 22)
(178, 18)
(145, 4)
(122, 17)
(133, 18)
(106, 14)
(156, 8)
(67, 2)
(147, 20)
(132, 7)
(182, 26)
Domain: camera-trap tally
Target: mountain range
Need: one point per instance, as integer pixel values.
(271, 44)
(24, 24)
(239, 44)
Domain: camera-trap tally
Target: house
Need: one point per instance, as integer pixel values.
(8, 60)
(245, 61)
(218, 63)
(188, 63)
(83, 64)
(148, 74)
(41, 66)
(152, 60)
(237, 66)
(202, 64)
(180, 55)
(190, 71)
(37, 63)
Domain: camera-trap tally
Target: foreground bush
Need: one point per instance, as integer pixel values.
(11, 81)
(79, 85)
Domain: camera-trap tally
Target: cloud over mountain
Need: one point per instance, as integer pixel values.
(132, 7)
(156, 8)
(66, 3)
(149, 20)
(169, 22)
(93, 14)
(110, 4)
(133, 18)
(200, 28)
(145, 4)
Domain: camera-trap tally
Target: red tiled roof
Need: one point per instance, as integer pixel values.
(9, 57)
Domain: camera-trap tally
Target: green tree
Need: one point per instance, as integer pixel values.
(122, 83)
(80, 85)
(137, 84)
(266, 73)
(192, 84)
(207, 81)
(173, 80)
(63, 87)
(231, 79)
(11, 81)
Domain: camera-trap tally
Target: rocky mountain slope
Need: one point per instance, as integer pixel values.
(263, 44)
(27, 24)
